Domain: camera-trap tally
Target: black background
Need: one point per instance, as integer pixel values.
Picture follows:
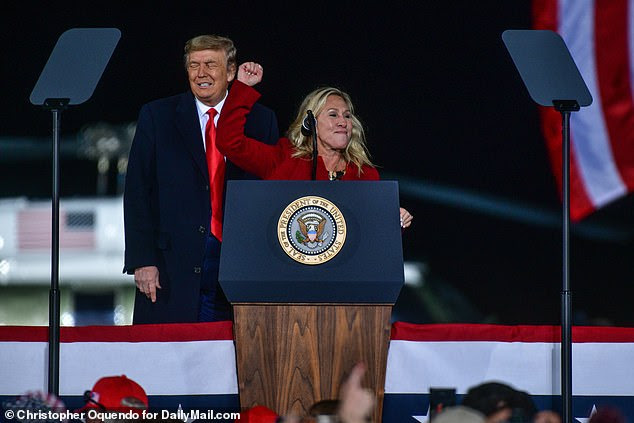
(432, 82)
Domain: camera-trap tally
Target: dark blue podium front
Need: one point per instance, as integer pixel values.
(368, 269)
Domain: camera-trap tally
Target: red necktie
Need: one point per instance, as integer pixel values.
(216, 167)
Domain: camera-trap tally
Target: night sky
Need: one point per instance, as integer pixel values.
(432, 82)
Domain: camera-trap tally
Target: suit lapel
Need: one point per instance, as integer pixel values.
(188, 125)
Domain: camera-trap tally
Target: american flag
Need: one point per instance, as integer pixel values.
(600, 37)
(76, 229)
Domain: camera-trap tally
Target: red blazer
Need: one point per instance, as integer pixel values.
(263, 160)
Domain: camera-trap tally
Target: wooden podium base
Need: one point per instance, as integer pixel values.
(291, 356)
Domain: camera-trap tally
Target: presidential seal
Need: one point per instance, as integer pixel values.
(311, 230)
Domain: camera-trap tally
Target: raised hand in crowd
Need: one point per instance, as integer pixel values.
(356, 403)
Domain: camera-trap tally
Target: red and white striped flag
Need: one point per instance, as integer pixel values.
(76, 229)
(600, 37)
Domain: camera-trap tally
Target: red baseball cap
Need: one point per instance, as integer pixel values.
(258, 414)
(116, 393)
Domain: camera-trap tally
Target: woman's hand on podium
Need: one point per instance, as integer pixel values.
(406, 218)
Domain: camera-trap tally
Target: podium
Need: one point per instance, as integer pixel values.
(312, 269)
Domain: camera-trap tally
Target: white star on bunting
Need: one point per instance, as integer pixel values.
(423, 418)
(586, 419)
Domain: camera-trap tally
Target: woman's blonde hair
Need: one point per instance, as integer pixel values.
(356, 151)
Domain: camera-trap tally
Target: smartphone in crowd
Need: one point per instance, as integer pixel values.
(439, 399)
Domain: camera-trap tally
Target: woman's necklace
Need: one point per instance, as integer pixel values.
(335, 175)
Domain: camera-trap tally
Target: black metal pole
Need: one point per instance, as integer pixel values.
(565, 107)
(566, 303)
(56, 106)
(53, 305)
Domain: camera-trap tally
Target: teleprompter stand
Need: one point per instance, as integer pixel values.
(68, 78)
(552, 79)
(299, 329)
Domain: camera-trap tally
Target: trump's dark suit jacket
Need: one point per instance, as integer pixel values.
(167, 205)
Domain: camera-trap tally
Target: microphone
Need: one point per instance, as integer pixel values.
(309, 127)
